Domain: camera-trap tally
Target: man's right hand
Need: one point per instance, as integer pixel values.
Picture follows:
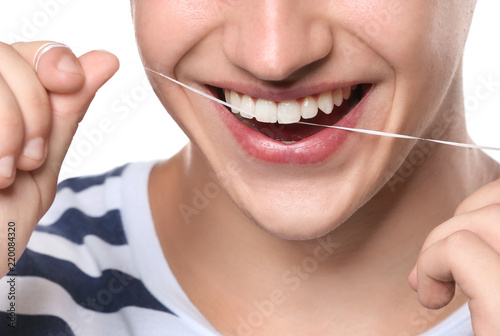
(39, 114)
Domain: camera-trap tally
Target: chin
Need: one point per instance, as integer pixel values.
(298, 227)
(297, 220)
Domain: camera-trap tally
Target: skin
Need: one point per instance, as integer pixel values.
(47, 104)
(268, 216)
(236, 43)
(255, 239)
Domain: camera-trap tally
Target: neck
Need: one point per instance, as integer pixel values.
(360, 268)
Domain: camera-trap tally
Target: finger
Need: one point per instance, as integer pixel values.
(483, 222)
(34, 104)
(465, 258)
(58, 69)
(488, 194)
(69, 109)
(11, 134)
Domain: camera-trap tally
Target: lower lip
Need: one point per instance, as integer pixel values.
(311, 150)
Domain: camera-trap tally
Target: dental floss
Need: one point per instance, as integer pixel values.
(200, 92)
(409, 137)
(357, 130)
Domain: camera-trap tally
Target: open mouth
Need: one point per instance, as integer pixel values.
(281, 120)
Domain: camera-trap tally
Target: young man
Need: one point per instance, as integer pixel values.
(267, 226)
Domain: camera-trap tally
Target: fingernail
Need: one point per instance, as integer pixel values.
(7, 166)
(43, 49)
(69, 64)
(35, 149)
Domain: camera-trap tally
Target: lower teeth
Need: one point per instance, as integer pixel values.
(292, 133)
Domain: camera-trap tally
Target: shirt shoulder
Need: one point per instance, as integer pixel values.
(458, 323)
(87, 206)
(77, 275)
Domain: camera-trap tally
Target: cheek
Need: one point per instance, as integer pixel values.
(410, 34)
(168, 29)
(388, 28)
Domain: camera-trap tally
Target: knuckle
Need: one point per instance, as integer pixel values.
(8, 50)
(40, 102)
(488, 194)
(5, 183)
(435, 232)
(462, 207)
(435, 235)
(491, 211)
(11, 124)
(459, 242)
(19, 44)
(11, 134)
(4, 47)
(40, 108)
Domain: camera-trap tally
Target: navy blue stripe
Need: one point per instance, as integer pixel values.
(78, 184)
(75, 225)
(35, 325)
(112, 291)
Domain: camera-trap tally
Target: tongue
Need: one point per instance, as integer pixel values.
(293, 132)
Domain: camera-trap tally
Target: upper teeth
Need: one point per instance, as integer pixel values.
(286, 112)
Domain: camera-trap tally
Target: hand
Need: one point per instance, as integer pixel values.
(39, 114)
(465, 250)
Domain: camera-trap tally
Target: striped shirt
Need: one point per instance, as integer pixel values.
(94, 266)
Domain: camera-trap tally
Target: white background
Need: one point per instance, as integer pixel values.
(140, 129)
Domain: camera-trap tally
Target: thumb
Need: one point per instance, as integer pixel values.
(58, 69)
(68, 110)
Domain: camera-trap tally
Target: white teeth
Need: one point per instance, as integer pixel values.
(346, 93)
(337, 97)
(308, 108)
(325, 102)
(266, 111)
(248, 105)
(288, 112)
(227, 95)
(235, 100)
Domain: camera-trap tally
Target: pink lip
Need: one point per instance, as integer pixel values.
(314, 149)
(280, 95)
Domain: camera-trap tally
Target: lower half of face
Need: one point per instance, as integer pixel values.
(380, 65)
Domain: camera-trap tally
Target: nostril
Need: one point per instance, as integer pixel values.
(281, 66)
(274, 46)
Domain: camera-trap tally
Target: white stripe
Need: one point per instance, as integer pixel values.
(457, 324)
(147, 252)
(38, 296)
(94, 256)
(95, 201)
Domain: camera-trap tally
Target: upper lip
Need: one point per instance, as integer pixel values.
(281, 93)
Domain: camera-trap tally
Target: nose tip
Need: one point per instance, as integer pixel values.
(273, 44)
